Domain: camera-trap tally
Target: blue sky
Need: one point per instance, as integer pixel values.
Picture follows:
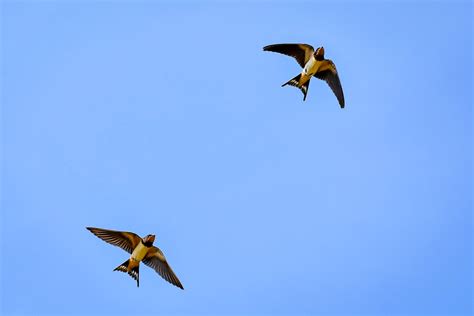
(168, 118)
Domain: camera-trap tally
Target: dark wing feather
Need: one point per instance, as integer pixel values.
(328, 73)
(301, 52)
(157, 261)
(125, 240)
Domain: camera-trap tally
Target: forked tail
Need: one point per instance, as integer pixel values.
(295, 82)
(133, 271)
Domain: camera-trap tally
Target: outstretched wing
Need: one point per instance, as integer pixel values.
(125, 240)
(301, 52)
(156, 260)
(328, 73)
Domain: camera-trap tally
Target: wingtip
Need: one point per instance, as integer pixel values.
(265, 48)
(176, 283)
(91, 229)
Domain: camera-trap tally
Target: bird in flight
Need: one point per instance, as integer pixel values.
(141, 250)
(313, 64)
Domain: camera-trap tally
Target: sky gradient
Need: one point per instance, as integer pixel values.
(168, 118)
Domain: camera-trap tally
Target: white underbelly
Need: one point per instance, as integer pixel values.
(311, 66)
(139, 252)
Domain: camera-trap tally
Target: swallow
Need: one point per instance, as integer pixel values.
(313, 64)
(141, 250)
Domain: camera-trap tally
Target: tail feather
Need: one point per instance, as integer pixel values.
(133, 272)
(304, 89)
(295, 82)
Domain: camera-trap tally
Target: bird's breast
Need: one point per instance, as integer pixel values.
(311, 66)
(139, 252)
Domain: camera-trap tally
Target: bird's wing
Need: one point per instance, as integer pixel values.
(301, 52)
(328, 73)
(125, 240)
(157, 261)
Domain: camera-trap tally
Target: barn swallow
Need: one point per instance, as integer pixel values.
(141, 249)
(313, 64)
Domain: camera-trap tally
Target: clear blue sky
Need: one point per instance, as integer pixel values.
(168, 118)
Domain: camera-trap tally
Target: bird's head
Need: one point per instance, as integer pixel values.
(319, 53)
(148, 240)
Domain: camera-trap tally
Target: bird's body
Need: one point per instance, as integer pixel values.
(313, 64)
(310, 68)
(141, 250)
(136, 257)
